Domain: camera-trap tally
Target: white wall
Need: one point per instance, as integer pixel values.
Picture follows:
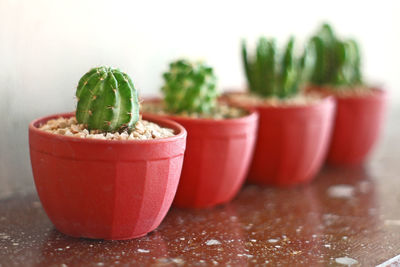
(47, 45)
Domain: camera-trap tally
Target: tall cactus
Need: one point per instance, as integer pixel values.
(270, 73)
(189, 87)
(107, 100)
(337, 61)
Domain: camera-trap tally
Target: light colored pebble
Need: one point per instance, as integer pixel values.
(346, 261)
(255, 100)
(144, 130)
(222, 111)
(212, 242)
(68, 133)
(341, 191)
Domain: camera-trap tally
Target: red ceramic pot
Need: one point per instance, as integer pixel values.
(217, 159)
(106, 189)
(292, 143)
(358, 122)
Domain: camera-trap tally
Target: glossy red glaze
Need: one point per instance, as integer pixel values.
(358, 122)
(106, 189)
(217, 159)
(292, 143)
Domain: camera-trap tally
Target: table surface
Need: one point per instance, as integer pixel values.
(346, 215)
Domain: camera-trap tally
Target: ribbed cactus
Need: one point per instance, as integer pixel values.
(189, 87)
(337, 62)
(270, 73)
(107, 100)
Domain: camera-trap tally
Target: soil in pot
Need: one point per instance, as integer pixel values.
(293, 137)
(144, 130)
(221, 111)
(253, 100)
(218, 154)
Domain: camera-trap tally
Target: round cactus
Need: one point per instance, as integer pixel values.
(189, 87)
(107, 100)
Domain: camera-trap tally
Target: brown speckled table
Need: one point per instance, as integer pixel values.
(345, 216)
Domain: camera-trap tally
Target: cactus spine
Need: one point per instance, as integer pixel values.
(270, 73)
(337, 61)
(189, 87)
(107, 100)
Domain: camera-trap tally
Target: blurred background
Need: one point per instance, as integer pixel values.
(46, 46)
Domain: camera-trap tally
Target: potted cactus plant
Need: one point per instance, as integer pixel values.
(220, 137)
(360, 107)
(104, 172)
(294, 128)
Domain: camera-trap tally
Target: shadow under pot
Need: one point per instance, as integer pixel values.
(292, 142)
(358, 122)
(217, 158)
(106, 189)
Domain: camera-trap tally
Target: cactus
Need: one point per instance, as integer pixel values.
(272, 74)
(189, 87)
(107, 100)
(337, 61)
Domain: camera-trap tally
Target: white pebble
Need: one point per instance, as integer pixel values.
(341, 191)
(212, 242)
(346, 261)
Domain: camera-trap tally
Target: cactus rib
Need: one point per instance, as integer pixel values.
(337, 61)
(107, 100)
(270, 73)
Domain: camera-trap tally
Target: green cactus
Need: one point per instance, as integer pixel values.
(189, 87)
(270, 73)
(107, 100)
(337, 62)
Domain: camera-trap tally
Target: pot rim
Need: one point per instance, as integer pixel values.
(179, 130)
(377, 92)
(252, 114)
(319, 102)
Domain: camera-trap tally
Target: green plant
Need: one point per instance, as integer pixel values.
(337, 62)
(189, 87)
(270, 73)
(107, 100)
